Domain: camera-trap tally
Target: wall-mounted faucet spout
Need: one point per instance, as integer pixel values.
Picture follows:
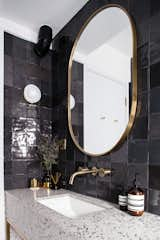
(94, 171)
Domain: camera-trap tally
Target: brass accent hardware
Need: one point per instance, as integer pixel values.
(56, 177)
(94, 171)
(134, 79)
(103, 172)
(34, 183)
(46, 185)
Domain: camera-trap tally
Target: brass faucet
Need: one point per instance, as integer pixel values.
(94, 171)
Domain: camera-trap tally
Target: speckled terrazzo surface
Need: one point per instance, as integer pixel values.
(34, 221)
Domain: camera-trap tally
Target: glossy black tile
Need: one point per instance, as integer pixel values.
(154, 29)
(154, 201)
(154, 180)
(143, 105)
(19, 110)
(8, 44)
(47, 61)
(20, 73)
(140, 11)
(46, 127)
(103, 189)
(19, 152)
(80, 185)
(155, 7)
(23, 124)
(8, 181)
(155, 126)
(142, 80)
(119, 173)
(140, 129)
(154, 152)
(154, 100)
(115, 190)
(34, 169)
(143, 56)
(104, 161)
(7, 152)
(45, 113)
(7, 126)
(154, 52)
(34, 80)
(20, 181)
(138, 152)
(19, 167)
(8, 70)
(155, 72)
(90, 188)
(122, 3)
(7, 168)
(33, 111)
(120, 155)
(142, 177)
(46, 101)
(79, 156)
(19, 49)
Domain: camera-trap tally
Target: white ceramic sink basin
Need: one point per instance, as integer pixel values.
(69, 206)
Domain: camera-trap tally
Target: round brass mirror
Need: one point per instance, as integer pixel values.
(102, 78)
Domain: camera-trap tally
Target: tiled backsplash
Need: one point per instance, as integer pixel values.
(140, 152)
(24, 122)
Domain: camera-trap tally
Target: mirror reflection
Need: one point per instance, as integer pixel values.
(101, 82)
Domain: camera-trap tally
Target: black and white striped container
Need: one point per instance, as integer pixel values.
(122, 201)
(136, 199)
(136, 203)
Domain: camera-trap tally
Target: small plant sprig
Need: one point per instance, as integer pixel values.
(48, 151)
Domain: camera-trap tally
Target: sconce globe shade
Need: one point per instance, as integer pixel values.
(72, 102)
(32, 93)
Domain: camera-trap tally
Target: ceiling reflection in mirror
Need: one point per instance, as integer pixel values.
(101, 81)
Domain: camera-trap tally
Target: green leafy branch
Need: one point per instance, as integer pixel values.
(48, 151)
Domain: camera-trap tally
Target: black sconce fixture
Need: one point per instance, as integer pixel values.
(44, 41)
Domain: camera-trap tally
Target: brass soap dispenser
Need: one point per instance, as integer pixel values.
(136, 199)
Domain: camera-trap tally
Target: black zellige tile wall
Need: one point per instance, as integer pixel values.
(24, 122)
(140, 152)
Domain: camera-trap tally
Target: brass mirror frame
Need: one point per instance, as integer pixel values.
(134, 80)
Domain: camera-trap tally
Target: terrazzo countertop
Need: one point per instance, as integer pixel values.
(34, 221)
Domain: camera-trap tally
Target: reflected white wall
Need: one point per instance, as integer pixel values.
(105, 112)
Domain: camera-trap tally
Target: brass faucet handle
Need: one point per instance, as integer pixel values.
(102, 172)
(95, 170)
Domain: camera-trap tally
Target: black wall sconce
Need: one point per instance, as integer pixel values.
(44, 41)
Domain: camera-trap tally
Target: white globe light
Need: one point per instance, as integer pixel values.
(32, 93)
(72, 102)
